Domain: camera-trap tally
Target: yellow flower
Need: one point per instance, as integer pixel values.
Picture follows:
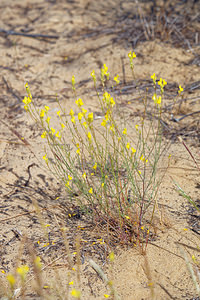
(42, 113)
(116, 79)
(46, 108)
(48, 120)
(43, 135)
(45, 158)
(71, 283)
(108, 100)
(84, 111)
(70, 177)
(106, 296)
(73, 82)
(93, 76)
(89, 136)
(80, 116)
(79, 102)
(71, 112)
(22, 271)
(154, 78)
(62, 125)
(132, 55)
(28, 90)
(58, 113)
(73, 120)
(26, 100)
(112, 128)
(95, 166)
(111, 256)
(103, 123)
(127, 217)
(142, 158)
(90, 117)
(76, 293)
(85, 124)
(67, 184)
(102, 184)
(128, 145)
(91, 191)
(84, 175)
(124, 131)
(180, 89)
(52, 130)
(162, 83)
(157, 100)
(133, 150)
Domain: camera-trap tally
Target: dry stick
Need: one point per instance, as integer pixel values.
(11, 32)
(186, 147)
(10, 89)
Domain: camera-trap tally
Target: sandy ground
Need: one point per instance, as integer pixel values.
(87, 34)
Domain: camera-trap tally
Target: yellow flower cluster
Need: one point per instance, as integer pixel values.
(104, 73)
(131, 56)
